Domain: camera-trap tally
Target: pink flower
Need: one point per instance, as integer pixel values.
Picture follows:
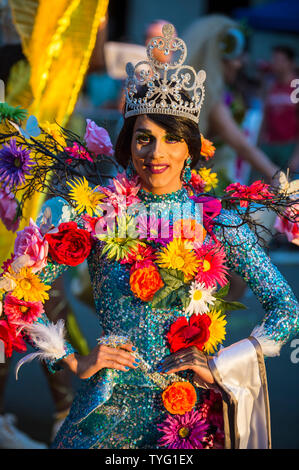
(154, 229)
(123, 193)
(9, 210)
(212, 267)
(12, 341)
(255, 192)
(97, 139)
(183, 432)
(30, 242)
(77, 152)
(16, 310)
(211, 409)
(90, 223)
(7, 264)
(289, 228)
(140, 257)
(197, 182)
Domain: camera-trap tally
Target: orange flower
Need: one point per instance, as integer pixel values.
(145, 282)
(207, 148)
(179, 397)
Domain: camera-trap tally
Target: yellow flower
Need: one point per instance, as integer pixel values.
(28, 286)
(178, 256)
(55, 131)
(217, 331)
(209, 178)
(86, 198)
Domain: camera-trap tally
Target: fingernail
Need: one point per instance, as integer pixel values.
(133, 348)
(126, 367)
(137, 360)
(135, 364)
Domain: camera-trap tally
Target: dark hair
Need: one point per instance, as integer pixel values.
(177, 126)
(286, 50)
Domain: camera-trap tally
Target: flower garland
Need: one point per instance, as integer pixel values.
(179, 269)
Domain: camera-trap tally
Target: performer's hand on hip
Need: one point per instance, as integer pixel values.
(188, 358)
(100, 357)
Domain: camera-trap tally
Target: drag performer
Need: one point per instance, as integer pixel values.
(159, 250)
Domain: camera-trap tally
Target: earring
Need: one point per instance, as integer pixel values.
(186, 175)
(130, 170)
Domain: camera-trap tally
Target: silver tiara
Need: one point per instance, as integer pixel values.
(168, 88)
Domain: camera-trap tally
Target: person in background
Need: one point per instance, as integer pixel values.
(154, 29)
(280, 130)
(216, 44)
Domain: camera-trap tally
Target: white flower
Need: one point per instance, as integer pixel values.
(7, 284)
(201, 298)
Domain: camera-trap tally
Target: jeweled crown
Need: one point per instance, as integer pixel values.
(168, 87)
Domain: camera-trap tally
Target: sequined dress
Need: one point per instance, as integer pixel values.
(116, 409)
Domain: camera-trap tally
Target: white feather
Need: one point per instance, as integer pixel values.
(48, 338)
(269, 346)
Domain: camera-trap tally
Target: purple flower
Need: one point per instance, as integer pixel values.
(97, 139)
(9, 210)
(15, 163)
(183, 431)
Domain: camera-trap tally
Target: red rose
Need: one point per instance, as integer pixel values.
(70, 246)
(12, 341)
(183, 334)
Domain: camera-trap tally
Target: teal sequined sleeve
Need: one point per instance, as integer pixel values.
(248, 259)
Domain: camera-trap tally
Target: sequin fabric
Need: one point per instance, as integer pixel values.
(115, 409)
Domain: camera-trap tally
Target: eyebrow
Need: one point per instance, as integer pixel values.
(141, 129)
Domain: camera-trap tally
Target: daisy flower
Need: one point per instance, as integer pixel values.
(209, 178)
(140, 256)
(176, 256)
(217, 331)
(183, 432)
(117, 243)
(27, 286)
(211, 267)
(86, 199)
(16, 309)
(201, 298)
(15, 163)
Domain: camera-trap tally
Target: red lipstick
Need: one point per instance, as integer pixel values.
(157, 169)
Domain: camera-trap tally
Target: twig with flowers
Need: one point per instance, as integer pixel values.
(179, 270)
